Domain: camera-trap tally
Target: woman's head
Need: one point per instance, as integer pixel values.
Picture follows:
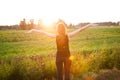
(61, 28)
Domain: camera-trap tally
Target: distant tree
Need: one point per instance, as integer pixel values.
(23, 24)
(40, 24)
(70, 25)
(82, 24)
(31, 25)
(118, 23)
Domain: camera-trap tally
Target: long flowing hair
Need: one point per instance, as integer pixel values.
(61, 29)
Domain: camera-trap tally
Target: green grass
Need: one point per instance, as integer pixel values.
(18, 42)
(32, 56)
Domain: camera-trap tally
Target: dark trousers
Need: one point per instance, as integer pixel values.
(63, 68)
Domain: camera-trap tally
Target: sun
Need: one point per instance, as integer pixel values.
(48, 21)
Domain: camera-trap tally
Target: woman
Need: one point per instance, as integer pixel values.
(63, 53)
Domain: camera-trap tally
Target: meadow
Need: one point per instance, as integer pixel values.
(95, 54)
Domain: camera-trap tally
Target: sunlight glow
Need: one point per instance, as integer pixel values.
(71, 58)
(47, 22)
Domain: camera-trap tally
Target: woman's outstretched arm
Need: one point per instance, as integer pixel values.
(43, 32)
(80, 29)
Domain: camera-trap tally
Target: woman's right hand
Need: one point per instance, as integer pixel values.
(30, 31)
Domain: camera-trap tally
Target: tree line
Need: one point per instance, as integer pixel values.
(24, 25)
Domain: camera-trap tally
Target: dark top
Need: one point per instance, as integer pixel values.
(62, 42)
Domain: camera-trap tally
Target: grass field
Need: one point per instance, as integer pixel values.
(32, 56)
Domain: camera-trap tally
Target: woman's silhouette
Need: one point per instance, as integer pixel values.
(63, 53)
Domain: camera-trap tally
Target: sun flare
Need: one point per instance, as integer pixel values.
(71, 57)
(48, 21)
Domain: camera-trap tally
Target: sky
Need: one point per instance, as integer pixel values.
(71, 11)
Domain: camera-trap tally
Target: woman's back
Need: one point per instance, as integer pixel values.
(62, 43)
